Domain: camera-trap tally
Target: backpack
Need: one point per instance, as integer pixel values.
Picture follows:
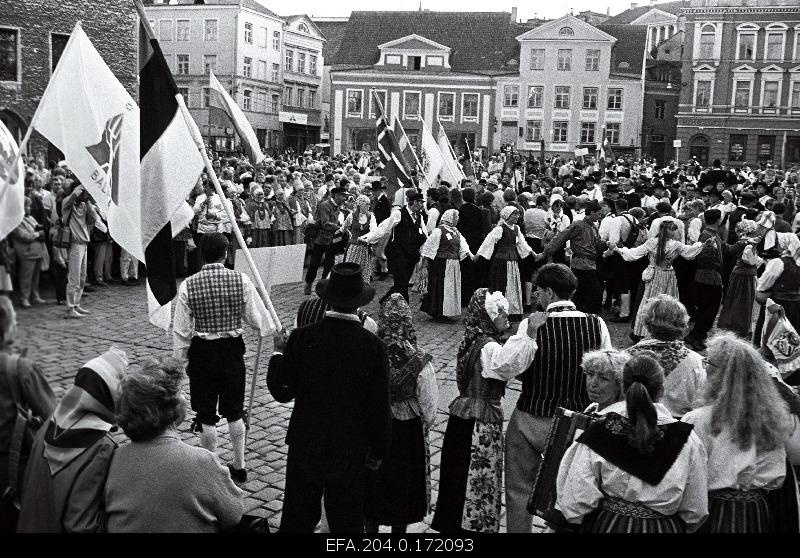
(638, 234)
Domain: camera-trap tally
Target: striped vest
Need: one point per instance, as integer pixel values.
(216, 299)
(555, 378)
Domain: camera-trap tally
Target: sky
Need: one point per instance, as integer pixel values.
(526, 9)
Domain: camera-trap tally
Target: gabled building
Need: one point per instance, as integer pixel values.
(333, 29)
(424, 66)
(660, 19)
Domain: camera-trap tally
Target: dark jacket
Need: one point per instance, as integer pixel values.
(470, 225)
(382, 209)
(338, 374)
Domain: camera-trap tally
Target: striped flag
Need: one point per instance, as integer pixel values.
(12, 191)
(394, 164)
(170, 165)
(432, 159)
(247, 135)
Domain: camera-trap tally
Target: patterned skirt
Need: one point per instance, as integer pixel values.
(283, 238)
(616, 515)
(737, 511)
(260, 237)
(470, 478)
(663, 282)
(362, 255)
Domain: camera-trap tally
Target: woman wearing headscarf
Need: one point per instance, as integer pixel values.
(637, 470)
(441, 255)
(398, 493)
(71, 454)
(504, 247)
(261, 216)
(470, 485)
(659, 277)
(780, 282)
(746, 427)
(360, 222)
(737, 308)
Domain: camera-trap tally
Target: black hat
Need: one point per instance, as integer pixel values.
(345, 288)
(413, 195)
(591, 206)
(378, 185)
(338, 190)
(612, 188)
(344, 183)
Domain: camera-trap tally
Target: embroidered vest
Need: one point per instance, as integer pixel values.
(479, 397)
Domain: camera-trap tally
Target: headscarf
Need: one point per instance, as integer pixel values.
(507, 212)
(86, 413)
(767, 221)
(476, 324)
(449, 218)
(789, 245)
(396, 330)
(745, 228)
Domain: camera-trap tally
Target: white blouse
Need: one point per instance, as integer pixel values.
(688, 251)
(487, 248)
(431, 246)
(585, 478)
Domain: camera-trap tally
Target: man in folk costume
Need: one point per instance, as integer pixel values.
(211, 309)
(554, 379)
(406, 230)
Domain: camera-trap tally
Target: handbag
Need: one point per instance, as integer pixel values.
(60, 235)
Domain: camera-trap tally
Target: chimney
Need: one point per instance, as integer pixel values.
(608, 11)
(514, 14)
(634, 5)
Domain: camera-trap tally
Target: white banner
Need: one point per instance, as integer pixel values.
(12, 191)
(276, 265)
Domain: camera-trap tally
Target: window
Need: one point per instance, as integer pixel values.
(592, 60)
(613, 132)
(511, 96)
(434, 61)
(301, 62)
(747, 46)
(261, 106)
(303, 28)
(766, 148)
(183, 64)
(184, 91)
(562, 97)
(614, 98)
(287, 96)
(535, 96)
(275, 103)
(210, 63)
(769, 98)
(447, 106)
(413, 62)
(537, 59)
(276, 40)
(661, 110)
(312, 98)
(590, 97)
(165, 30)
(702, 96)
(276, 72)
(210, 30)
(248, 33)
(288, 65)
(182, 27)
(533, 130)
(565, 59)
(312, 65)
(560, 130)
(264, 39)
(587, 132)
(206, 97)
(247, 103)
(393, 59)
(355, 103)
(737, 147)
(469, 107)
(411, 100)
(773, 46)
(301, 97)
(373, 107)
(708, 35)
(57, 44)
(741, 96)
(248, 67)
(566, 32)
(262, 69)
(794, 97)
(9, 55)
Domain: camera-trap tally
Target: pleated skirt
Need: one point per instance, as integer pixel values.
(620, 516)
(737, 511)
(362, 255)
(443, 297)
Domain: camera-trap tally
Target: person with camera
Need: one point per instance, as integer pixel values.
(79, 216)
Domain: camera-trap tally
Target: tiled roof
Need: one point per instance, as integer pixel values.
(629, 48)
(633, 13)
(333, 32)
(480, 42)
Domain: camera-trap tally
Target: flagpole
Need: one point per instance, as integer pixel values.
(414, 153)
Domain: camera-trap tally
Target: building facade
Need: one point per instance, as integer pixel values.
(33, 35)
(301, 117)
(740, 100)
(242, 43)
(333, 29)
(575, 83)
(662, 87)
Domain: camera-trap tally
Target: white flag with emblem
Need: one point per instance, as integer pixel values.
(451, 172)
(12, 192)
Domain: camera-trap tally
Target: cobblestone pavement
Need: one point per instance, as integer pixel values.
(118, 317)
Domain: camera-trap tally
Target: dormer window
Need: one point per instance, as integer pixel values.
(434, 61)
(414, 62)
(393, 59)
(414, 53)
(303, 28)
(566, 32)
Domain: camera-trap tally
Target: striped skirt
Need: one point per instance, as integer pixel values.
(737, 511)
(616, 515)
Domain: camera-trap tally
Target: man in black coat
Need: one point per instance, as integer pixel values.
(381, 208)
(470, 225)
(337, 373)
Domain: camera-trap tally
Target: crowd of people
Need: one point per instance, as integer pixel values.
(525, 256)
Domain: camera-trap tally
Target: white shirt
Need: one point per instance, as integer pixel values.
(431, 246)
(605, 226)
(387, 225)
(695, 228)
(433, 215)
(654, 226)
(487, 247)
(595, 193)
(255, 314)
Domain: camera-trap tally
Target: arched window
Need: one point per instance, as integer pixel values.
(566, 32)
(303, 28)
(708, 35)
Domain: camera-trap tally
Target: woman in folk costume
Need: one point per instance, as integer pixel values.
(282, 220)
(442, 254)
(470, 486)
(71, 454)
(659, 277)
(747, 428)
(780, 282)
(737, 308)
(304, 213)
(398, 493)
(360, 222)
(261, 216)
(637, 470)
(504, 246)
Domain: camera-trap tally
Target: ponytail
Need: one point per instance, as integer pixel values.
(643, 382)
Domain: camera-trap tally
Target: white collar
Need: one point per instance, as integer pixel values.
(559, 304)
(342, 316)
(663, 414)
